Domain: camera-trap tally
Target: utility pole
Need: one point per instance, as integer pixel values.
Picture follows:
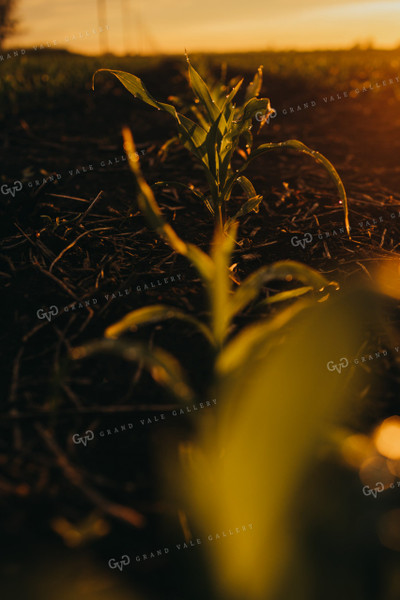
(102, 20)
(139, 28)
(125, 15)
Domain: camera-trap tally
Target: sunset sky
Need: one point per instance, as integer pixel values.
(173, 25)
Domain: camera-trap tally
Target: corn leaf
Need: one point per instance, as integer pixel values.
(287, 295)
(153, 314)
(319, 158)
(136, 87)
(247, 341)
(213, 142)
(252, 203)
(248, 206)
(219, 90)
(228, 108)
(163, 367)
(199, 116)
(209, 205)
(247, 186)
(232, 93)
(254, 88)
(183, 186)
(283, 270)
(247, 138)
(255, 105)
(202, 92)
(233, 133)
(242, 123)
(275, 415)
(221, 283)
(225, 170)
(192, 135)
(152, 213)
(163, 151)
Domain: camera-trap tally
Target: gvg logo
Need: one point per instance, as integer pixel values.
(84, 439)
(17, 187)
(368, 492)
(52, 312)
(379, 488)
(119, 564)
(307, 239)
(261, 117)
(343, 363)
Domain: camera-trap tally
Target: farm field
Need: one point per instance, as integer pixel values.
(77, 255)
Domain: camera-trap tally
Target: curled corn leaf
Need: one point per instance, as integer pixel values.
(163, 367)
(154, 314)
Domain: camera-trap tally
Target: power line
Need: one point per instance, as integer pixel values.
(144, 34)
(102, 20)
(126, 20)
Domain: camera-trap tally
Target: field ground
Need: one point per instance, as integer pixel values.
(54, 125)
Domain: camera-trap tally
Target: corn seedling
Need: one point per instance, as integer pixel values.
(277, 408)
(216, 134)
(225, 303)
(276, 396)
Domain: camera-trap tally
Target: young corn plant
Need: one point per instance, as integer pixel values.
(276, 400)
(216, 134)
(277, 409)
(219, 90)
(225, 303)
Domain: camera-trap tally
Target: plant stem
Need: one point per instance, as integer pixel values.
(221, 220)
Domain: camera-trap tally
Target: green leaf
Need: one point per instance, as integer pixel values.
(244, 345)
(153, 314)
(163, 152)
(213, 143)
(233, 92)
(319, 158)
(236, 129)
(282, 407)
(135, 86)
(202, 92)
(219, 90)
(217, 116)
(199, 116)
(255, 105)
(201, 261)
(247, 138)
(227, 106)
(254, 88)
(247, 186)
(246, 207)
(227, 150)
(287, 295)
(192, 135)
(282, 270)
(183, 186)
(221, 284)
(151, 211)
(252, 203)
(209, 205)
(230, 115)
(163, 367)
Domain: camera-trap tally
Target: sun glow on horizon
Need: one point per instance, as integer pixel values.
(170, 26)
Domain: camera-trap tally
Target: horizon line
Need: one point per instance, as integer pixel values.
(362, 47)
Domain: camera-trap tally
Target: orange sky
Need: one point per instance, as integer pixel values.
(173, 25)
